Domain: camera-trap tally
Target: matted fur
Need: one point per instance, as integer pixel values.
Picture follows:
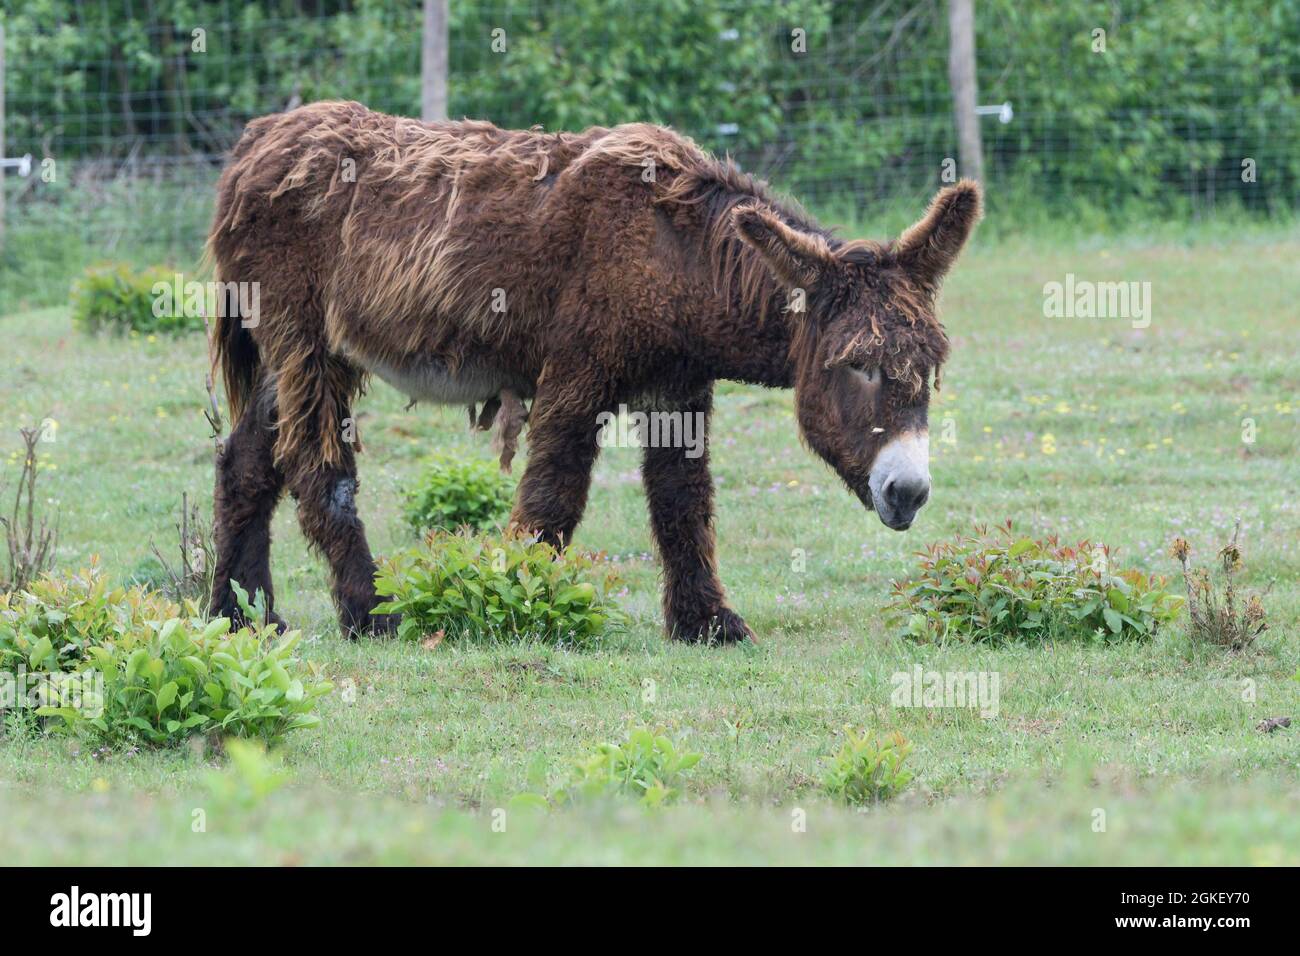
(576, 270)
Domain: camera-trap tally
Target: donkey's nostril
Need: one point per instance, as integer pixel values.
(906, 495)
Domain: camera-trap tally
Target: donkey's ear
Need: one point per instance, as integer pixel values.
(797, 258)
(929, 248)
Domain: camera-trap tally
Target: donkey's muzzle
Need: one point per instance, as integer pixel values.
(900, 479)
(901, 499)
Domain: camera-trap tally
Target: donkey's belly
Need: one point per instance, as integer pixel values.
(429, 380)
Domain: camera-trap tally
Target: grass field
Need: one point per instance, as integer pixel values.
(1146, 442)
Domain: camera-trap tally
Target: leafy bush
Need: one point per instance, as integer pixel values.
(160, 672)
(180, 679)
(507, 587)
(117, 298)
(647, 766)
(868, 770)
(1215, 619)
(993, 586)
(73, 612)
(454, 493)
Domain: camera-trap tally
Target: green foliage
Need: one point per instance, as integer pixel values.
(1158, 98)
(183, 678)
(1002, 586)
(117, 298)
(868, 770)
(596, 62)
(1182, 93)
(72, 612)
(253, 775)
(21, 726)
(157, 672)
(458, 492)
(508, 587)
(647, 766)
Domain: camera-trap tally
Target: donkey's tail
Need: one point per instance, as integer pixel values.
(233, 352)
(232, 346)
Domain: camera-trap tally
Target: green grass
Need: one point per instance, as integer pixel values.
(1146, 430)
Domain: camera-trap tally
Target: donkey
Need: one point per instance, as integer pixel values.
(577, 271)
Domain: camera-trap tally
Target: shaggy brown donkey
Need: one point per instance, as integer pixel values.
(585, 271)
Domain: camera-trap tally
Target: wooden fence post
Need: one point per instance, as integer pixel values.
(2, 135)
(433, 62)
(961, 74)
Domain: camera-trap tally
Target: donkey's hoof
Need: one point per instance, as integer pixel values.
(371, 625)
(239, 619)
(384, 625)
(724, 626)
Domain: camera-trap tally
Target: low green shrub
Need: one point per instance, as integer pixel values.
(868, 770)
(502, 588)
(1003, 586)
(117, 298)
(647, 767)
(73, 611)
(185, 677)
(452, 493)
(147, 669)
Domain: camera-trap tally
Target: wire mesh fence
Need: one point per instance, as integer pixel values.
(127, 106)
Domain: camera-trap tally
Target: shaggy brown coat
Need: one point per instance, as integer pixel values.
(580, 271)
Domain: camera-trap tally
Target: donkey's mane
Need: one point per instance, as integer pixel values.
(910, 346)
(718, 187)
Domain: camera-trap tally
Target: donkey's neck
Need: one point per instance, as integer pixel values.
(748, 346)
(750, 340)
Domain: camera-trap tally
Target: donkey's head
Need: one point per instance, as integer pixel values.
(866, 342)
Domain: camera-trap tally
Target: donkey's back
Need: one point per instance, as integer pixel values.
(375, 242)
(403, 215)
(430, 254)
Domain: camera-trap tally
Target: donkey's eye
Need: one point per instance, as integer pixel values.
(868, 376)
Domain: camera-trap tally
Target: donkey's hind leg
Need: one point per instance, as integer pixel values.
(248, 486)
(327, 514)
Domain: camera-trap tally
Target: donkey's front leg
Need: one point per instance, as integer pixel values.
(562, 447)
(679, 490)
